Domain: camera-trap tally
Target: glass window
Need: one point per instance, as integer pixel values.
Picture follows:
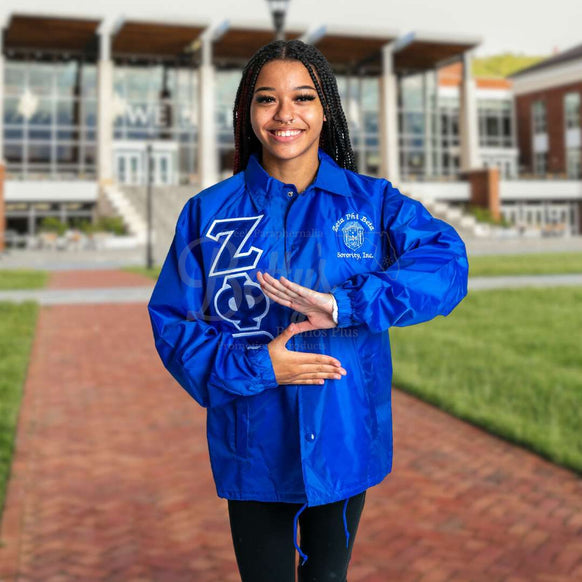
(572, 110)
(573, 162)
(66, 78)
(89, 83)
(540, 163)
(539, 117)
(39, 153)
(13, 153)
(40, 79)
(495, 121)
(14, 79)
(43, 120)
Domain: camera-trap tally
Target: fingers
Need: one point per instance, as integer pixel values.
(289, 289)
(320, 371)
(294, 288)
(302, 358)
(274, 293)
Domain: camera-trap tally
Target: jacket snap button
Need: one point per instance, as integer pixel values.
(290, 193)
(310, 436)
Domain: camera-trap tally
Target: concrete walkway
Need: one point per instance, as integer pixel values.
(141, 292)
(111, 478)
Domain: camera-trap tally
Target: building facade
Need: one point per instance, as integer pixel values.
(547, 104)
(85, 100)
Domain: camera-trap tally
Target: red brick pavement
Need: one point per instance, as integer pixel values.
(90, 278)
(111, 480)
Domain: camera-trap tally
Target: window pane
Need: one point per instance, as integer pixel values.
(13, 153)
(66, 77)
(41, 79)
(39, 153)
(14, 79)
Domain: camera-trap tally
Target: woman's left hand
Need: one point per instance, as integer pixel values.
(318, 307)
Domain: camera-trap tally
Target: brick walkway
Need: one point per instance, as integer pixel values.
(111, 479)
(95, 278)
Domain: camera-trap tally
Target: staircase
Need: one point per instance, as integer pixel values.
(167, 202)
(465, 224)
(132, 219)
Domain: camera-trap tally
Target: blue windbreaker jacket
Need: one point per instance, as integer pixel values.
(387, 261)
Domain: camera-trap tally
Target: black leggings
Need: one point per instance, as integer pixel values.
(262, 534)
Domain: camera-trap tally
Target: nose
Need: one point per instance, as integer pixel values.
(284, 111)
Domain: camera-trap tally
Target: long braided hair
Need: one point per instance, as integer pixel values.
(335, 136)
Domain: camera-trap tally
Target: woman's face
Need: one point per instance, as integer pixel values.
(285, 100)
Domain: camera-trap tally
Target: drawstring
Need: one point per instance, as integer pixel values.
(304, 556)
(346, 523)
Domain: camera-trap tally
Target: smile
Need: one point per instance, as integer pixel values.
(287, 132)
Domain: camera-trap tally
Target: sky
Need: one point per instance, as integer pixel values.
(502, 25)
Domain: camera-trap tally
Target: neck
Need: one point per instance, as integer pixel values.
(296, 171)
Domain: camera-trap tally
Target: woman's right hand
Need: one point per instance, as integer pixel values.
(301, 367)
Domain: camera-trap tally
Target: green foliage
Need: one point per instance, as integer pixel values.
(103, 224)
(484, 215)
(52, 224)
(502, 65)
(111, 224)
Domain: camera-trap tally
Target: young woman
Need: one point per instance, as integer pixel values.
(273, 309)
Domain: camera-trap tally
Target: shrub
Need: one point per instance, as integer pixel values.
(484, 215)
(111, 224)
(52, 224)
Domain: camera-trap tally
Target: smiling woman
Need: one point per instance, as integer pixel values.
(297, 435)
(287, 118)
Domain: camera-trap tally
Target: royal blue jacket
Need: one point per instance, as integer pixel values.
(387, 261)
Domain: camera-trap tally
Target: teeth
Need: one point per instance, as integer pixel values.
(287, 133)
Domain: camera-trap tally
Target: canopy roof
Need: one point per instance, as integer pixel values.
(348, 48)
(157, 39)
(50, 34)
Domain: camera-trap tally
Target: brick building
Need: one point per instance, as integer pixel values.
(547, 110)
(547, 99)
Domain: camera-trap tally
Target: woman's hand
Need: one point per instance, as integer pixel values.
(301, 367)
(318, 307)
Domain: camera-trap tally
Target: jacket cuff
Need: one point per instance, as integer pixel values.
(344, 307)
(260, 361)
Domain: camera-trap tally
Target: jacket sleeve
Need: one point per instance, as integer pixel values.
(427, 273)
(211, 365)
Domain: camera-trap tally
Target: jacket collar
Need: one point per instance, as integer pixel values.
(330, 177)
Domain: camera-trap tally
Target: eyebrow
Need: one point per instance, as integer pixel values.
(273, 88)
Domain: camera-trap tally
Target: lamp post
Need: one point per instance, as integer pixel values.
(278, 11)
(150, 179)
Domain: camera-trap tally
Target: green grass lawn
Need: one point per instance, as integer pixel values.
(506, 360)
(487, 265)
(153, 272)
(525, 264)
(18, 321)
(22, 279)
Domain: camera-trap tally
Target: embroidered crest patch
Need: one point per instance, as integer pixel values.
(355, 230)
